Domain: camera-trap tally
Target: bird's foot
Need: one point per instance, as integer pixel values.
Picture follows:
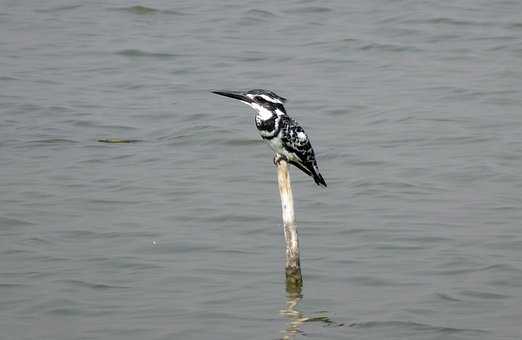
(278, 158)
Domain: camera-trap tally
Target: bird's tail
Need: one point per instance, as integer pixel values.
(311, 170)
(318, 178)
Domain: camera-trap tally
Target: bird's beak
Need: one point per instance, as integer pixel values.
(234, 94)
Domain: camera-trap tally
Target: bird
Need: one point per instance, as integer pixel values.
(284, 135)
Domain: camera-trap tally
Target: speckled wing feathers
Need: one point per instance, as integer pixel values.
(296, 141)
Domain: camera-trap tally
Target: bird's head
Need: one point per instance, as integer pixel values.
(265, 102)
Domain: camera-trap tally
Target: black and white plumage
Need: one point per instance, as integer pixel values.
(284, 135)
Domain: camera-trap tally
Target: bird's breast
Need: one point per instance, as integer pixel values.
(276, 144)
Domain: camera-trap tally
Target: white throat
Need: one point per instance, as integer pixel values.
(262, 112)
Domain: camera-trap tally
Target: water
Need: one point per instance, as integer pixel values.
(414, 112)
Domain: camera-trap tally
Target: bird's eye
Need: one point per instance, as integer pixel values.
(260, 99)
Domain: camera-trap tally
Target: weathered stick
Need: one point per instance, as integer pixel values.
(293, 266)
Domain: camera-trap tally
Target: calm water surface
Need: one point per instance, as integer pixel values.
(414, 109)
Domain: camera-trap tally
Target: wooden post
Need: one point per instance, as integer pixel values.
(294, 280)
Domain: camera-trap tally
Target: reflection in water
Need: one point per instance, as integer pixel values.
(294, 316)
(297, 318)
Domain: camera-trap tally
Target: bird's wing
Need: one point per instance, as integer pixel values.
(297, 141)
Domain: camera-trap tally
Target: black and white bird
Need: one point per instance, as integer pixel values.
(286, 138)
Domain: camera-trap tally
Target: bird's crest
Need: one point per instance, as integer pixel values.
(267, 95)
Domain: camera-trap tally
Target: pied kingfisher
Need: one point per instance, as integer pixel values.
(283, 134)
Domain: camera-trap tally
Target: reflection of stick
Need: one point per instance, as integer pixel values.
(297, 318)
(294, 317)
(293, 266)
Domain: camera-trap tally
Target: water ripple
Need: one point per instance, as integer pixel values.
(414, 326)
(450, 22)
(141, 53)
(6, 222)
(309, 10)
(389, 48)
(90, 285)
(259, 13)
(484, 295)
(447, 297)
(58, 9)
(144, 10)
